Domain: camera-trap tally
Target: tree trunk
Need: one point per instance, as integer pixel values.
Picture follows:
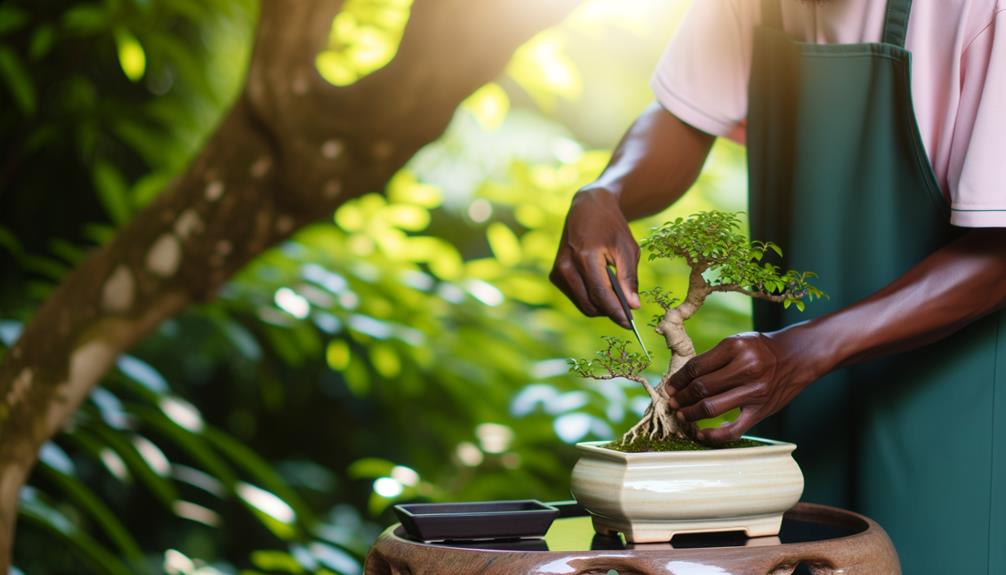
(290, 151)
(658, 421)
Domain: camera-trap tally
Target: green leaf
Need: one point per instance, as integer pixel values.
(11, 19)
(490, 105)
(42, 41)
(132, 57)
(99, 233)
(505, 245)
(191, 443)
(272, 512)
(799, 305)
(85, 19)
(10, 243)
(101, 561)
(18, 81)
(163, 489)
(148, 187)
(364, 38)
(147, 380)
(144, 140)
(276, 562)
(370, 467)
(259, 469)
(113, 191)
(102, 515)
(50, 268)
(69, 252)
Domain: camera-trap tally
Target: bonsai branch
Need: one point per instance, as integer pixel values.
(707, 241)
(757, 294)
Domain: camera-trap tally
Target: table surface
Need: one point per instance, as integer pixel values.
(573, 531)
(814, 538)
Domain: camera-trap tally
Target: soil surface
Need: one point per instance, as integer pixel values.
(642, 445)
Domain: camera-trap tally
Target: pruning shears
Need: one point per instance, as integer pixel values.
(626, 308)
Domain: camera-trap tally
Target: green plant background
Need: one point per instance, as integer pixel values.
(409, 349)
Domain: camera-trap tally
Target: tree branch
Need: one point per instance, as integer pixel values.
(698, 290)
(654, 396)
(291, 150)
(777, 298)
(650, 390)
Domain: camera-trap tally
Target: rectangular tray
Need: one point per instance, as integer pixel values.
(477, 520)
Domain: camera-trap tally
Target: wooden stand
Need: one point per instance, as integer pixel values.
(814, 539)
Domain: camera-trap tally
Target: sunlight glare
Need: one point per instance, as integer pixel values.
(292, 303)
(266, 502)
(387, 487)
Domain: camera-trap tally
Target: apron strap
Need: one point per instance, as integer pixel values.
(771, 14)
(896, 24)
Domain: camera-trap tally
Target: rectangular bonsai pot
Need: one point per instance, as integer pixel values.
(649, 497)
(477, 520)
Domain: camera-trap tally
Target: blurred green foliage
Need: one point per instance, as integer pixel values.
(409, 349)
(365, 36)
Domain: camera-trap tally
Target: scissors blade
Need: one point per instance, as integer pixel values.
(639, 339)
(625, 307)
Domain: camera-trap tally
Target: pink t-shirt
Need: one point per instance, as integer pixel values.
(958, 81)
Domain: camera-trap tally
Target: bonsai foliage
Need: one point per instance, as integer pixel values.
(721, 259)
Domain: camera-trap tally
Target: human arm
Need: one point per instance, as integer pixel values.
(761, 373)
(656, 161)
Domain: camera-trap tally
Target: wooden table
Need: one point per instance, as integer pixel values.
(815, 540)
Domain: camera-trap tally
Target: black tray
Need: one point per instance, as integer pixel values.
(478, 520)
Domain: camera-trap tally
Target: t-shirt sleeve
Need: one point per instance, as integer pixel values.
(703, 74)
(977, 174)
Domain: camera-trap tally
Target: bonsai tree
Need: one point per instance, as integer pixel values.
(721, 259)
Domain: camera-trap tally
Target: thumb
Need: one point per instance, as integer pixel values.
(730, 431)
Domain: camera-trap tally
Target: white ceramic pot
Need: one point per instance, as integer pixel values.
(649, 497)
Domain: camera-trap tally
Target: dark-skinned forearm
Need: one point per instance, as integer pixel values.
(657, 160)
(951, 288)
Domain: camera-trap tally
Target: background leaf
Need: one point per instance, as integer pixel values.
(422, 357)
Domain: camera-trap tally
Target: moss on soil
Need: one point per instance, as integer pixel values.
(641, 445)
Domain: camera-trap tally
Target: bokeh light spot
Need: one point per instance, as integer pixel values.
(387, 487)
(292, 303)
(480, 210)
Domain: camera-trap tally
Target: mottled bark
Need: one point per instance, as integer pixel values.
(290, 151)
(672, 325)
(658, 421)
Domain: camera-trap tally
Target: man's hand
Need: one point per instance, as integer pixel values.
(658, 158)
(596, 234)
(759, 373)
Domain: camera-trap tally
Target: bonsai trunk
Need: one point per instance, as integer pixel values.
(658, 421)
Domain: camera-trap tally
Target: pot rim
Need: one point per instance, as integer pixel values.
(772, 447)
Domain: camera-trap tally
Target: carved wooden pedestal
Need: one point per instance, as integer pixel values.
(815, 540)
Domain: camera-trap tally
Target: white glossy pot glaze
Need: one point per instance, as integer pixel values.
(649, 497)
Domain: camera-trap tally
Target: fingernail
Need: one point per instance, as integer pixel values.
(673, 403)
(634, 300)
(680, 416)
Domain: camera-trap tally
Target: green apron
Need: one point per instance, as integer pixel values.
(839, 177)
